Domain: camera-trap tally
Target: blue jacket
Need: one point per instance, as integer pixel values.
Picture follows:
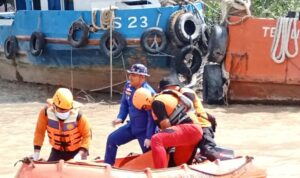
(140, 121)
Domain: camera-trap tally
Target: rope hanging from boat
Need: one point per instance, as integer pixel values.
(235, 8)
(226, 85)
(286, 28)
(105, 18)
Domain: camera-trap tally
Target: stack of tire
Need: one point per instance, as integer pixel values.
(213, 79)
(184, 29)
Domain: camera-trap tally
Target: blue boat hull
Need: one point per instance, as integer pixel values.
(86, 67)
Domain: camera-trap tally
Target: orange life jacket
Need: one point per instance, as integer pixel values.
(63, 135)
(175, 111)
(186, 102)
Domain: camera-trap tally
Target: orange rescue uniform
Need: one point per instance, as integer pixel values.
(68, 135)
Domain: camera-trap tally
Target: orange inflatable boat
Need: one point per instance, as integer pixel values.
(139, 166)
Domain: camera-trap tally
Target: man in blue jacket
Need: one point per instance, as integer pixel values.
(140, 126)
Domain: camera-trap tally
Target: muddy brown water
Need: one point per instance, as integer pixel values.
(271, 134)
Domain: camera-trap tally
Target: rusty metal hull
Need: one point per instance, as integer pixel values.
(254, 76)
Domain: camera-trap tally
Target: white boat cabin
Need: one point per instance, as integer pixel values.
(77, 5)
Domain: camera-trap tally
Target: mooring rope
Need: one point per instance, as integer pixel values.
(235, 7)
(286, 28)
(105, 17)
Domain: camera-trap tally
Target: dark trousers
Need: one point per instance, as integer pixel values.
(207, 144)
(57, 155)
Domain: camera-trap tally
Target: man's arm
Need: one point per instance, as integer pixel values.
(199, 107)
(85, 131)
(161, 115)
(150, 125)
(124, 107)
(40, 130)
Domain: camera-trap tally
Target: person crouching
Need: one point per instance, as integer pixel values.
(177, 129)
(68, 129)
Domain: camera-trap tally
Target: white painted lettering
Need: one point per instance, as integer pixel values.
(265, 29)
(132, 22)
(144, 22)
(272, 34)
(117, 22)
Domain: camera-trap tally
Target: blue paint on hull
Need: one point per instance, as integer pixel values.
(59, 54)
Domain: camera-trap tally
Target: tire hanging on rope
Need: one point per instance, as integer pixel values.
(187, 28)
(10, 47)
(81, 28)
(188, 61)
(37, 43)
(183, 28)
(217, 44)
(171, 28)
(118, 44)
(153, 40)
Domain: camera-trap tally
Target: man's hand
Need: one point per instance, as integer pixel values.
(165, 124)
(147, 143)
(81, 155)
(116, 122)
(36, 155)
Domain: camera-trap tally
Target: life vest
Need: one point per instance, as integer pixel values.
(199, 111)
(175, 111)
(186, 102)
(63, 135)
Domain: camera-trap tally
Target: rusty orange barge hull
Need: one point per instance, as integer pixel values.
(253, 74)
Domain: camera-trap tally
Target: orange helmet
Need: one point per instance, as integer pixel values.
(63, 98)
(142, 97)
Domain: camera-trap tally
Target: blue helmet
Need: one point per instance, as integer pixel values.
(138, 69)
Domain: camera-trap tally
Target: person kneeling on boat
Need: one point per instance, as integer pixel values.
(207, 145)
(177, 129)
(68, 129)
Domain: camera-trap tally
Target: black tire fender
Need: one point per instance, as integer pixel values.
(187, 27)
(37, 43)
(213, 84)
(171, 28)
(153, 35)
(195, 62)
(10, 47)
(217, 44)
(119, 43)
(76, 26)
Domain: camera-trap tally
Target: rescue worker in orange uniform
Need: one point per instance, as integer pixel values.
(177, 129)
(207, 144)
(68, 129)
